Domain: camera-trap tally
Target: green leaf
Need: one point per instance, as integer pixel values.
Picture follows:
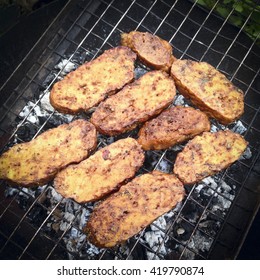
(238, 8)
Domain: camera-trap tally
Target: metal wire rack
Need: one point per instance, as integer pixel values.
(214, 218)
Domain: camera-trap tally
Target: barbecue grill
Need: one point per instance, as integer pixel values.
(216, 214)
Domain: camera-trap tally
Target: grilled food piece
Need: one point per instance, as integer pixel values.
(135, 206)
(102, 173)
(92, 82)
(171, 127)
(37, 162)
(208, 89)
(151, 50)
(134, 104)
(208, 154)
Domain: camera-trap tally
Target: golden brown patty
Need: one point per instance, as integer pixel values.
(208, 154)
(101, 173)
(171, 127)
(151, 50)
(135, 103)
(135, 206)
(92, 82)
(208, 89)
(36, 162)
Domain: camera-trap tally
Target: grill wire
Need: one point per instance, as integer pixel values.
(39, 224)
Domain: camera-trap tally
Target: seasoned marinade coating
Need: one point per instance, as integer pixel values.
(102, 173)
(93, 81)
(208, 89)
(172, 126)
(208, 154)
(37, 162)
(136, 205)
(135, 103)
(151, 49)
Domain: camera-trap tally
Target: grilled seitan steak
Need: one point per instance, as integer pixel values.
(92, 82)
(208, 154)
(102, 173)
(135, 103)
(208, 89)
(135, 206)
(151, 50)
(171, 127)
(37, 162)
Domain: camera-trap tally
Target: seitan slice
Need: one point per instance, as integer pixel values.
(208, 89)
(93, 81)
(171, 127)
(37, 162)
(151, 49)
(135, 103)
(135, 206)
(102, 173)
(208, 154)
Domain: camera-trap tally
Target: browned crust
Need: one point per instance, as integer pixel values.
(102, 173)
(208, 154)
(135, 206)
(151, 49)
(37, 162)
(134, 104)
(171, 127)
(208, 89)
(93, 81)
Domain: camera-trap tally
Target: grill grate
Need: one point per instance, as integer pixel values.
(217, 212)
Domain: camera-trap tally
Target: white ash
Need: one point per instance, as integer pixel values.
(31, 113)
(155, 241)
(125, 251)
(66, 221)
(199, 187)
(71, 206)
(160, 222)
(180, 231)
(23, 192)
(45, 102)
(238, 127)
(155, 237)
(180, 101)
(164, 166)
(28, 191)
(208, 223)
(176, 209)
(187, 254)
(200, 242)
(176, 148)
(73, 214)
(10, 191)
(222, 203)
(247, 154)
(65, 66)
(55, 197)
(209, 181)
(84, 217)
(75, 241)
(216, 128)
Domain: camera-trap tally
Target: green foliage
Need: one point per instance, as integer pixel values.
(237, 12)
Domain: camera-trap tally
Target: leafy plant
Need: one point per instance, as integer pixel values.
(237, 12)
